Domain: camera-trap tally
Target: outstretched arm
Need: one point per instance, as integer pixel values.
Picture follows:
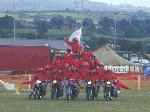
(67, 41)
(28, 82)
(123, 86)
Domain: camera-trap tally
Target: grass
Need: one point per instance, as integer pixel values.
(128, 101)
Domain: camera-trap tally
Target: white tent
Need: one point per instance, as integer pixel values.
(108, 57)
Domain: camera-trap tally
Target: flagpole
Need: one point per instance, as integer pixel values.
(82, 24)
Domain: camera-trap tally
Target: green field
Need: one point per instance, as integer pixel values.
(128, 101)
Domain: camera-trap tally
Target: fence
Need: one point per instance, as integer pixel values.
(130, 79)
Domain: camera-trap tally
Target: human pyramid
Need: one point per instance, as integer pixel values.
(72, 69)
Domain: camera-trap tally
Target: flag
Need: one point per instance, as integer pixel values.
(76, 34)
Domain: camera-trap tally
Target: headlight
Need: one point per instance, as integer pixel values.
(108, 83)
(38, 81)
(54, 81)
(89, 82)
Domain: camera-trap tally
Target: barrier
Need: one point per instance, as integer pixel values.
(130, 79)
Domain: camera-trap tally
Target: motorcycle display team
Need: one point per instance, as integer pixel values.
(70, 71)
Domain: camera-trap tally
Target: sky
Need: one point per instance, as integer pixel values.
(143, 3)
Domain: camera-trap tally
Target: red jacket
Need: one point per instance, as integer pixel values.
(57, 64)
(66, 73)
(39, 76)
(67, 58)
(85, 74)
(94, 76)
(101, 73)
(76, 47)
(76, 63)
(111, 77)
(86, 55)
(93, 64)
(48, 75)
(57, 76)
(75, 76)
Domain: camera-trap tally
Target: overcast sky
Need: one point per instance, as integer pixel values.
(144, 3)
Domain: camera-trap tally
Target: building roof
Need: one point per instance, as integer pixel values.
(59, 44)
(23, 58)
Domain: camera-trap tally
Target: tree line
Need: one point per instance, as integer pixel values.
(134, 28)
(124, 29)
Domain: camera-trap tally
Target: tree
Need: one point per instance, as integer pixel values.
(69, 21)
(106, 23)
(136, 47)
(42, 28)
(57, 21)
(95, 43)
(127, 29)
(124, 45)
(147, 27)
(6, 22)
(88, 23)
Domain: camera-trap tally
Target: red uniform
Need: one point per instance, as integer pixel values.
(93, 64)
(94, 76)
(39, 76)
(101, 73)
(66, 73)
(57, 64)
(76, 47)
(57, 75)
(67, 58)
(75, 76)
(76, 63)
(48, 75)
(86, 55)
(85, 73)
(111, 77)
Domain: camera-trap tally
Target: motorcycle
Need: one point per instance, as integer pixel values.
(90, 91)
(72, 91)
(107, 93)
(57, 90)
(37, 92)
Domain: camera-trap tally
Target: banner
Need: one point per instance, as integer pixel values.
(76, 34)
(118, 69)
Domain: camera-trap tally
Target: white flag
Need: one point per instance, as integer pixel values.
(76, 34)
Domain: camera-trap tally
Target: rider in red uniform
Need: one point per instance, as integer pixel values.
(76, 61)
(68, 56)
(75, 75)
(101, 72)
(75, 45)
(85, 55)
(93, 63)
(120, 85)
(66, 71)
(57, 75)
(40, 75)
(110, 76)
(85, 72)
(58, 63)
(48, 72)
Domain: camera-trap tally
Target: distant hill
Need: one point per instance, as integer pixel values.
(40, 5)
